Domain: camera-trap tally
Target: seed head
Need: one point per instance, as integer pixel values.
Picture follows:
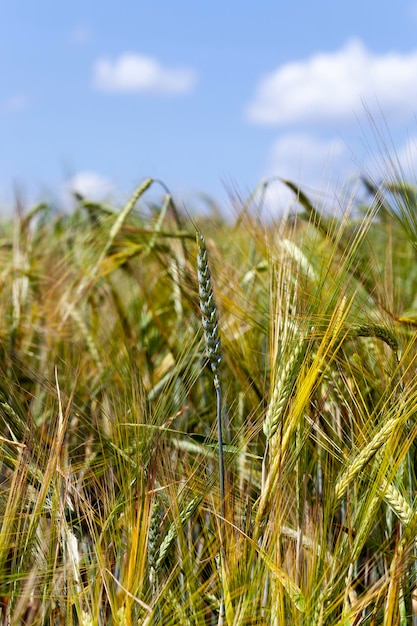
(208, 306)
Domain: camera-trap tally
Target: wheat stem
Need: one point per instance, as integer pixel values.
(213, 348)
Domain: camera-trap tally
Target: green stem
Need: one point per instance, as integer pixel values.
(221, 452)
(217, 387)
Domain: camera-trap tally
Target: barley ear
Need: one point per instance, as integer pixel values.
(283, 388)
(378, 331)
(398, 503)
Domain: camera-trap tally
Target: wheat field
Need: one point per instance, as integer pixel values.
(206, 421)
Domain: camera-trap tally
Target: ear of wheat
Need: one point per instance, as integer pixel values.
(208, 307)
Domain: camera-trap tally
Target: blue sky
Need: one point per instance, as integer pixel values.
(97, 96)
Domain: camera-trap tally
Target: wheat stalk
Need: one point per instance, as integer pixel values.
(213, 348)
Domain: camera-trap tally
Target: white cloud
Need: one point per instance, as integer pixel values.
(90, 185)
(138, 73)
(334, 86)
(302, 156)
(321, 167)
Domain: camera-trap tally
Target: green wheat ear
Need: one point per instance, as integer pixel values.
(208, 307)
